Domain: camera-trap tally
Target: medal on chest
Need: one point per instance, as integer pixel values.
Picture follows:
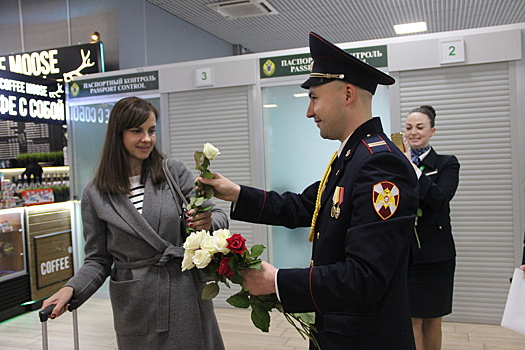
(337, 200)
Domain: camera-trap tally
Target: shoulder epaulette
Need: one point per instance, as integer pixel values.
(376, 144)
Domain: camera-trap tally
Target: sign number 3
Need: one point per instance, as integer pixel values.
(204, 77)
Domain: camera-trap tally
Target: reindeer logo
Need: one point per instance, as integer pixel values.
(86, 62)
(58, 93)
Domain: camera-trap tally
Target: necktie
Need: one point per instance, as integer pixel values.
(416, 153)
(320, 190)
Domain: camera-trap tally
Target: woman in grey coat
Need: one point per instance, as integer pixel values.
(132, 228)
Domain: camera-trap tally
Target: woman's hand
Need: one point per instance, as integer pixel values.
(201, 221)
(407, 151)
(409, 155)
(522, 268)
(60, 299)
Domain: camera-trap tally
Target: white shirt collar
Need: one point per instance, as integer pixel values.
(342, 146)
(421, 157)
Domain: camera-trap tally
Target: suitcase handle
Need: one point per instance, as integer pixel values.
(45, 313)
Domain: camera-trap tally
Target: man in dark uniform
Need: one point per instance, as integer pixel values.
(361, 216)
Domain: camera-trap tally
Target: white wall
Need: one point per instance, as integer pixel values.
(135, 33)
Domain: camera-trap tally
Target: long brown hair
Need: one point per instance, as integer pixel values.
(113, 170)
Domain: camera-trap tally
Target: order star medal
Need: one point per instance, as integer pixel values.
(337, 200)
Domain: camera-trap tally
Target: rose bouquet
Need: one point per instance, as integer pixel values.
(224, 255)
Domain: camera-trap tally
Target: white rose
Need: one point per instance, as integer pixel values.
(210, 151)
(208, 245)
(202, 258)
(187, 261)
(194, 240)
(219, 238)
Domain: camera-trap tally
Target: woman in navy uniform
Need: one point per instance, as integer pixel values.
(432, 254)
(362, 222)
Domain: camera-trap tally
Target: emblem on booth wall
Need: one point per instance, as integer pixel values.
(268, 68)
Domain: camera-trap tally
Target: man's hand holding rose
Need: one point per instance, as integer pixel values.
(260, 282)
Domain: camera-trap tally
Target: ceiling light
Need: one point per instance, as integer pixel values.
(95, 37)
(302, 94)
(410, 28)
(270, 106)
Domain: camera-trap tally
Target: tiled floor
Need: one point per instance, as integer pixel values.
(96, 332)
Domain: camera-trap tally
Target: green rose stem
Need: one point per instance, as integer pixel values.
(203, 192)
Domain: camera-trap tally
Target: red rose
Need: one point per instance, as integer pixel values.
(224, 268)
(236, 243)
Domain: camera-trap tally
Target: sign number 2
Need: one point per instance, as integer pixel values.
(452, 51)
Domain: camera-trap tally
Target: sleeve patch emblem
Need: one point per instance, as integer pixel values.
(385, 197)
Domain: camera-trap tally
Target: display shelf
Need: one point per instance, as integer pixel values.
(12, 244)
(14, 172)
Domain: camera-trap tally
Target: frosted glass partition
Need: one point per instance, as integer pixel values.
(296, 156)
(86, 132)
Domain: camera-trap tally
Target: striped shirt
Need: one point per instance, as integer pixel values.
(137, 192)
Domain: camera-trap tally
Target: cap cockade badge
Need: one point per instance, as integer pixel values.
(385, 197)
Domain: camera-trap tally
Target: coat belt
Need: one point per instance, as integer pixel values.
(171, 252)
(163, 275)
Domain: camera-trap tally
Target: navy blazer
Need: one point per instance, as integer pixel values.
(357, 282)
(437, 186)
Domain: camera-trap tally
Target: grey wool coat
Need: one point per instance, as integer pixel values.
(155, 305)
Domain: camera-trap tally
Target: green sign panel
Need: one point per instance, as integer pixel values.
(281, 66)
(115, 85)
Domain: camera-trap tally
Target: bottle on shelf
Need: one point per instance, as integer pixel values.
(31, 183)
(38, 183)
(56, 180)
(45, 181)
(19, 183)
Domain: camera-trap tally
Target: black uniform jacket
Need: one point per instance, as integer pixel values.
(357, 281)
(437, 186)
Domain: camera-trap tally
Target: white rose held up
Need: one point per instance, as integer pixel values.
(210, 151)
(197, 204)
